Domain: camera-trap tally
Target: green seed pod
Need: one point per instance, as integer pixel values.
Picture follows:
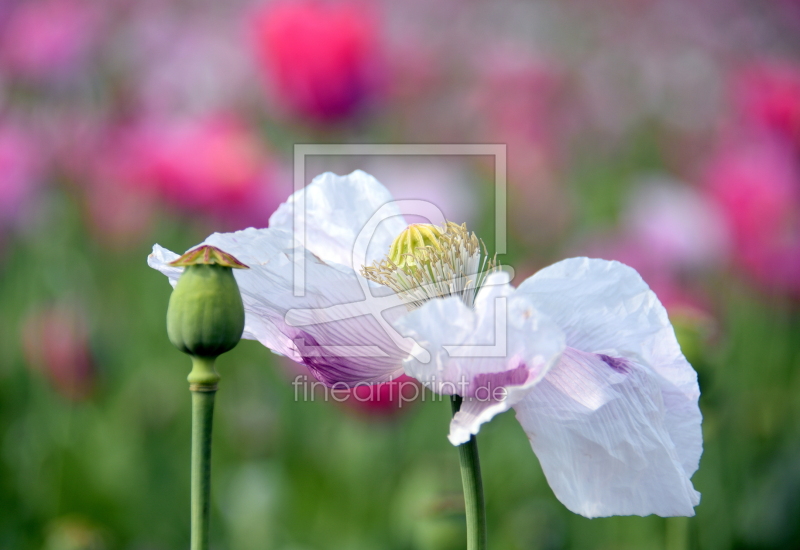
(205, 317)
(405, 250)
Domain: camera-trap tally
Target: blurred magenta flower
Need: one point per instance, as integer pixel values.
(213, 164)
(768, 96)
(55, 341)
(382, 400)
(202, 162)
(48, 38)
(583, 350)
(322, 60)
(755, 182)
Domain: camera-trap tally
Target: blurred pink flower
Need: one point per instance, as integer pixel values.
(382, 400)
(202, 162)
(322, 60)
(55, 342)
(214, 163)
(49, 37)
(768, 96)
(756, 184)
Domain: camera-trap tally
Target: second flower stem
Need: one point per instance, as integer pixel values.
(473, 488)
(203, 385)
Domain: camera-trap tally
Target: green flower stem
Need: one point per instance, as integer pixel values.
(203, 385)
(677, 533)
(473, 488)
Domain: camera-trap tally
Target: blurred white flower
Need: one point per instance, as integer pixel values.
(676, 223)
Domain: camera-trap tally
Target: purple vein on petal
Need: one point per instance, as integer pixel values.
(617, 363)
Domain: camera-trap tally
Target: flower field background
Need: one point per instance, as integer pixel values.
(661, 133)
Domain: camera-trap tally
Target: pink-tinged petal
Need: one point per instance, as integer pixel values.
(337, 209)
(605, 307)
(491, 355)
(599, 426)
(332, 328)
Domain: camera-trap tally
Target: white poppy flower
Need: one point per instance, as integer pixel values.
(615, 421)
(582, 350)
(356, 349)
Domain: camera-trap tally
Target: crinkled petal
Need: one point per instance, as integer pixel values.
(598, 425)
(491, 355)
(606, 307)
(337, 210)
(332, 329)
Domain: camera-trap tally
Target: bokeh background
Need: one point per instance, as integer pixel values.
(662, 133)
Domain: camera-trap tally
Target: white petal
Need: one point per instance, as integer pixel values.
(599, 430)
(337, 209)
(159, 258)
(354, 347)
(606, 307)
(492, 355)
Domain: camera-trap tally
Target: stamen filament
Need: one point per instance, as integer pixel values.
(455, 263)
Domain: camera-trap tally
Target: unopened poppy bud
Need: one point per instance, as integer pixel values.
(205, 317)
